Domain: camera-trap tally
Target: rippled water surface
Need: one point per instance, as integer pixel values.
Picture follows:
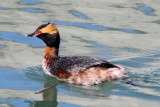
(124, 32)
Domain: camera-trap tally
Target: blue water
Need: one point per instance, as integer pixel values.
(131, 49)
(147, 10)
(9, 36)
(3, 8)
(15, 102)
(33, 10)
(16, 80)
(78, 14)
(1, 46)
(34, 42)
(91, 26)
(100, 50)
(158, 21)
(30, 2)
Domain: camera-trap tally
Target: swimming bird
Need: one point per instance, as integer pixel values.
(82, 70)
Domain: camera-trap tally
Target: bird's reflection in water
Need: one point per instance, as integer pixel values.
(49, 96)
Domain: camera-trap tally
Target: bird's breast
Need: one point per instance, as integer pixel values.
(46, 67)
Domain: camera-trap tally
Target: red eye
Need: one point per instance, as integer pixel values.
(39, 32)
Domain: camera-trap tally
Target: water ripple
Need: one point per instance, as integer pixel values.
(1, 46)
(143, 59)
(9, 36)
(132, 64)
(15, 102)
(129, 49)
(31, 2)
(146, 10)
(155, 55)
(33, 10)
(3, 8)
(78, 14)
(158, 21)
(99, 49)
(33, 41)
(13, 82)
(91, 26)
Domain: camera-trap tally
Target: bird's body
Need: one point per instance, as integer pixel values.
(82, 70)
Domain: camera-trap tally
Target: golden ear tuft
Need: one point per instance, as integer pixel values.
(50, 28)
(54, 25)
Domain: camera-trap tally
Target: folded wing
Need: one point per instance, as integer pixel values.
(79, 63)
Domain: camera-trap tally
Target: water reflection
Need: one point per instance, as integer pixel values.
(31, 2)
(3, 8)
(15, 37)
(133, 50)
(158, 21)
(78, 14)
(144, 59)
(10, 36)
(1, 46)
(49, 97)
(101, 50)
(33, 78)
(91, 26)
(33, 10)
(147, 10)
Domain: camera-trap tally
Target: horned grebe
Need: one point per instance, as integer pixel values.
(83, 70)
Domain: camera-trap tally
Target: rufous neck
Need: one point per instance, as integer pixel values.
(51, 52)
(50, 55)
